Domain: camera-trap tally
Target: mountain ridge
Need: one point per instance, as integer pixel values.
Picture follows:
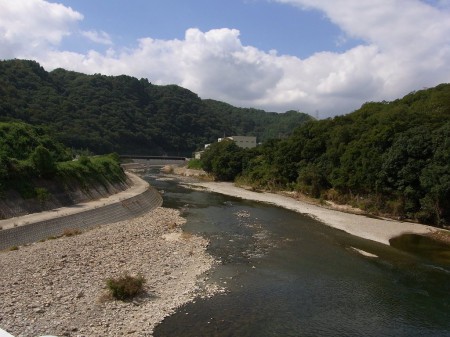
(127, 115)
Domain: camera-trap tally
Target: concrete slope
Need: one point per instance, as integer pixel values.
(135, 201)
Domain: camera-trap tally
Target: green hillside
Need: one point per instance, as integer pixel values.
(31, 160)
(126, 115)
(388, 158)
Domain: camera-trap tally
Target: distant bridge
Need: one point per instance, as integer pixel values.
(147, 157)
(138, 161)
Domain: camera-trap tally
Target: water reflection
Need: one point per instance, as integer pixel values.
(423, 246)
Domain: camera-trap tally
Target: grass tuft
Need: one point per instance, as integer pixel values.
(71, 232)
(125, 287)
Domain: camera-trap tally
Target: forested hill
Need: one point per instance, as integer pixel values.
(127, 115)
(386, 157)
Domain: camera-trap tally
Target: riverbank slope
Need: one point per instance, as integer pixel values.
(376, 229)
(136, 186)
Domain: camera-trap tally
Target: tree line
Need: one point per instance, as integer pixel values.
(127, 115)
(386, 157)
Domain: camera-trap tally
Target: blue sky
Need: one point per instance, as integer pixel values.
(263, 24)
(321, 57)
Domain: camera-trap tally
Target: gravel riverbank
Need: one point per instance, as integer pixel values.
(58, 286)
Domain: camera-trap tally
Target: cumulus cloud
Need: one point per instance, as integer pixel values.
(406, 46)
(214, 64)
(28, 27)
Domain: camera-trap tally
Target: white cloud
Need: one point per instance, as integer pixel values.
(98, 37)
(214, 64)
(407, 43)
(28, 27)
(406, 47)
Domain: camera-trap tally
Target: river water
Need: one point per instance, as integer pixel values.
(286, 274)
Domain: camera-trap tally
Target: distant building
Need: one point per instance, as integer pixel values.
(241, 141)
(246, 142)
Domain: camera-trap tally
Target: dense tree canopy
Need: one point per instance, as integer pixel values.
(391, 157)
(223, 159)
(29, 154)
(126, 115)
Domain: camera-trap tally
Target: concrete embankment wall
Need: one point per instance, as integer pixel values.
(118, 211)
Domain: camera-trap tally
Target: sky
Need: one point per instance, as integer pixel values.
(322, 57)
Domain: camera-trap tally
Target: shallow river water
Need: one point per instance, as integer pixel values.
(286, 274)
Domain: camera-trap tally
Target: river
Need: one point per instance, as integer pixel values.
(286, 274)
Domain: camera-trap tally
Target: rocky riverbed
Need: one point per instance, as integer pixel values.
(58, 287)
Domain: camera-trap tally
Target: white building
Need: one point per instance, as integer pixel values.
(245, 142)
(241, 141)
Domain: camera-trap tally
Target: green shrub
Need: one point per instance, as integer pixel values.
(195, 164)
(84, 160)
(88, 171)
(125, 287)
(42, 194)
(43, 162)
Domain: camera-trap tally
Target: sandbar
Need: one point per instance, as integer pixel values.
(375, 229)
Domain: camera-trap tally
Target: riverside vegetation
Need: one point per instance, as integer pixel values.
(31, 161)
(387, 158)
